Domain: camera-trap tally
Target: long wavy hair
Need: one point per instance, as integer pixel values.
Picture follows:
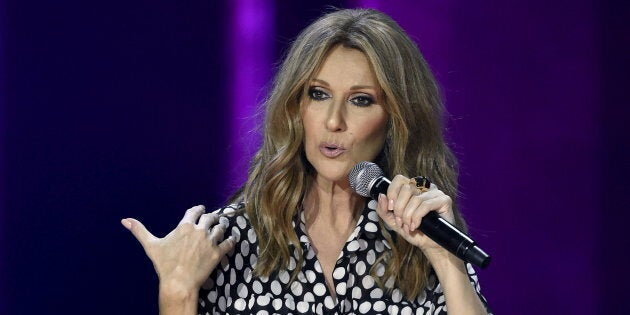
(278, 178)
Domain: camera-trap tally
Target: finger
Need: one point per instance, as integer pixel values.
(445, 207)
(227, 245)
(382, 204)
(429, 194)
(440, 204)
(433, 187)
(217, 232)
(383, 212)
(207, 220)
(406, 192)
(138, 230)
(410, 215)
(192, 214)
(411, 209)
(416, 216)
(394, 188)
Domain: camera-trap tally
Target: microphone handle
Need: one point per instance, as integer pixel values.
(441, 231)
(454, 240)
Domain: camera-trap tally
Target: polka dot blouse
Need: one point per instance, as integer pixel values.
(232, 287)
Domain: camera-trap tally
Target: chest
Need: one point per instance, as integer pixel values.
(356, 290)
(234, 289)
(328, 248)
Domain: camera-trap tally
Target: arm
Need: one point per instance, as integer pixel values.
(184, 258)
(173, 300)
(459, 293)
(402, 209)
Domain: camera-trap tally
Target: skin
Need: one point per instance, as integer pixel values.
(184, 258)
(344, 123)
(337, 112)
(402, 210)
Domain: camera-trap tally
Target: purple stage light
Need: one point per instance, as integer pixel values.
(251, 54)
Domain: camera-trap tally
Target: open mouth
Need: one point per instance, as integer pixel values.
(331, 150)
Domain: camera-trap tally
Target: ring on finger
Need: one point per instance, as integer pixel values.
(422, 183)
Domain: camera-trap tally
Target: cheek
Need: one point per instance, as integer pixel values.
(373, 139)
(309, 134)
(307, 125)
(378, 129)
(309, 118)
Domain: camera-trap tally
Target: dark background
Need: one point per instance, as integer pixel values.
(137, 109)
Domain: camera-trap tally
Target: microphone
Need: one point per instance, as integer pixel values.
(368, 180)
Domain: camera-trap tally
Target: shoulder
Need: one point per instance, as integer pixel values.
(238, 264)
(231, 209)
(237, 223)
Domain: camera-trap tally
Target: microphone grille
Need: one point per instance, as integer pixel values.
(362, 176)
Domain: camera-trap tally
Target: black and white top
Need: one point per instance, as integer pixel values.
(233, 289)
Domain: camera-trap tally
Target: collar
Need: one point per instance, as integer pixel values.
(366, 231)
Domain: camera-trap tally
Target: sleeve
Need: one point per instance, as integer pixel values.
(435, 294)
(474, 280)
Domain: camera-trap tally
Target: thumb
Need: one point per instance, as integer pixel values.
(138, 230)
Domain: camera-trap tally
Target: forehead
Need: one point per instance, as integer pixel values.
(343, 63)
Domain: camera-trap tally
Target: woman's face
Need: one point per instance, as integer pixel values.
(343, 115)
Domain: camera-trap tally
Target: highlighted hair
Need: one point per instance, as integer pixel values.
(279, 172)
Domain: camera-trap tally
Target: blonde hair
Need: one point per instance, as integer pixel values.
(279, 172)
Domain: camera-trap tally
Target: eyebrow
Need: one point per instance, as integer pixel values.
(354, 87)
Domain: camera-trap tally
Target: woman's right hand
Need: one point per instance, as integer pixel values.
(185, 257)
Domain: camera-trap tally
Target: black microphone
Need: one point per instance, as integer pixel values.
(368, 180)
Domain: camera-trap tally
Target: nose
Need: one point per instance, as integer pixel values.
(336, 120)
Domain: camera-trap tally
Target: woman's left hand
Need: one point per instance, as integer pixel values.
(404, 207)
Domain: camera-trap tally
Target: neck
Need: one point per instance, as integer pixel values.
(333, 204)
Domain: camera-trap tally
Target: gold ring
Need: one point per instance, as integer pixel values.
(422, 183)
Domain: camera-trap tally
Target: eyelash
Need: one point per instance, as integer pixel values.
(318, 95)
(362, 101)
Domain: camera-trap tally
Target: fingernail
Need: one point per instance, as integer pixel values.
(398, 221)
(390, 206)
(224, 224)
(382, 199)
(126, 223)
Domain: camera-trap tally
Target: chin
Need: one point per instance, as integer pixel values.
(333, 171)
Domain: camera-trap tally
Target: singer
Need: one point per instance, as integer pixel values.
(296, 238)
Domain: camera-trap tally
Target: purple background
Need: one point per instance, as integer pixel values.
(116, 109)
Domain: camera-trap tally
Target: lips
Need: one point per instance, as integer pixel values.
(331, 150)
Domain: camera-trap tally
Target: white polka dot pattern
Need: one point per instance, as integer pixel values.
(233, 288)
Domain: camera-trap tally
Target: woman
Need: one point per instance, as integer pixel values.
(352, 88)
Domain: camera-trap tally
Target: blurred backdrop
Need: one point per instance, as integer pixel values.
(114, 109)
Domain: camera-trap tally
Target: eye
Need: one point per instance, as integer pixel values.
(317, 94)
(362, 100)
